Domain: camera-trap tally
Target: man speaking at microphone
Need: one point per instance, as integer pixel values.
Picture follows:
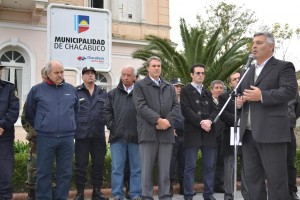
(264, 125)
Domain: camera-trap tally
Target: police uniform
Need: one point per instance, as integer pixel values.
(177, 161)
(9, 113)
(90, 139)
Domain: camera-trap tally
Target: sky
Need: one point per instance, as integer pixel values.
(268, 12)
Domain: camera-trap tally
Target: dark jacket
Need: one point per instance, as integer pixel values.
(152, 102)
(218, 125)
(269, 118)
(89, 121)
(52, 109)
(195, 108)
(294, 110)
(228, 118)
(179, 123)
(9, 110)
(120, 116)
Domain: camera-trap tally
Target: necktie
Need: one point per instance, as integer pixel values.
(199, 89)
(157, 82)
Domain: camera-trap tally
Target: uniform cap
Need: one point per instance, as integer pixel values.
(88, 68)
(176, 81)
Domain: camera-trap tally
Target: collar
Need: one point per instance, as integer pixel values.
(130, 88)
(49, 82)
(154, 80)
(263, 63)
(195, 85)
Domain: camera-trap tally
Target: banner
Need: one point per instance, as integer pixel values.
(79, 36)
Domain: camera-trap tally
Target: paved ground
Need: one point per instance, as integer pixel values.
(218, 196)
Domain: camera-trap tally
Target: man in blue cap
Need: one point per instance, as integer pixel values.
(178, 147)
(90, 135)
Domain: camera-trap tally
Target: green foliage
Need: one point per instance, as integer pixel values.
(283, 35)
(221, 52)
(230, 18)
(177, 64)
(20, 147)
(20, 172)
(297, 162)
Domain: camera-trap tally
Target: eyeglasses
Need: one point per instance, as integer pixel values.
(200, 73)
(236, 79)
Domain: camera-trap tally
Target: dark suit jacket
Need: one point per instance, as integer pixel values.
(195, 108)
(151, 102)
(269, 118)
(227, 118)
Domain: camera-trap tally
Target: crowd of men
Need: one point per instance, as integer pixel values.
(153, 122)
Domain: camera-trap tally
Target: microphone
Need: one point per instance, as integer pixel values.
(250, 59)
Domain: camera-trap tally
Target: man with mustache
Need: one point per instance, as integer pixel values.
(51, 109)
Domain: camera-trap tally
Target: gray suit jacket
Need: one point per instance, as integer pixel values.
(152, 102)
(269, 118)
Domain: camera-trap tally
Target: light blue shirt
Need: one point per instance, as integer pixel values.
(197, 86)
(156, 81)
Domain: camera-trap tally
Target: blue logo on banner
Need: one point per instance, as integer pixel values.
(81, 23)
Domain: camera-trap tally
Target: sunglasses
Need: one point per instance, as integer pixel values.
(200, 73)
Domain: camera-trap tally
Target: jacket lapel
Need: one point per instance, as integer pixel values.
(267, 68)
(149, 81)
(251, 74)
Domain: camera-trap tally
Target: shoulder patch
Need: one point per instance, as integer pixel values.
(79, 87)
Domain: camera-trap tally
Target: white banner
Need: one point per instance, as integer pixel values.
(79, 36)
(235, 136)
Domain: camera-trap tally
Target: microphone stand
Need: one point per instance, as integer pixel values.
(235, 132)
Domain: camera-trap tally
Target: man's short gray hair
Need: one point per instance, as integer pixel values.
(134, 71)
(152, 58)
(212, 84)
(49, 65)
(269, 36)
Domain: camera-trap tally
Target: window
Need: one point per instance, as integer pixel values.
(96, 3)
(13, 72)
(101, 81)
(130, 10)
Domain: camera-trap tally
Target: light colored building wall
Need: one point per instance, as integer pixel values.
(25, 31)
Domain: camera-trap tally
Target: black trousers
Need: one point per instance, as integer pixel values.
(177, 160)
(265, 160)
(7, 160)
(291, 156)
(219, 165)
(96, 148)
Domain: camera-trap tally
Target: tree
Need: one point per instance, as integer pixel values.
(283, 35)
(199, 47)
(218, 42)
(230, 18)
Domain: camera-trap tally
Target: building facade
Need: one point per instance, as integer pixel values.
(23, 38)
